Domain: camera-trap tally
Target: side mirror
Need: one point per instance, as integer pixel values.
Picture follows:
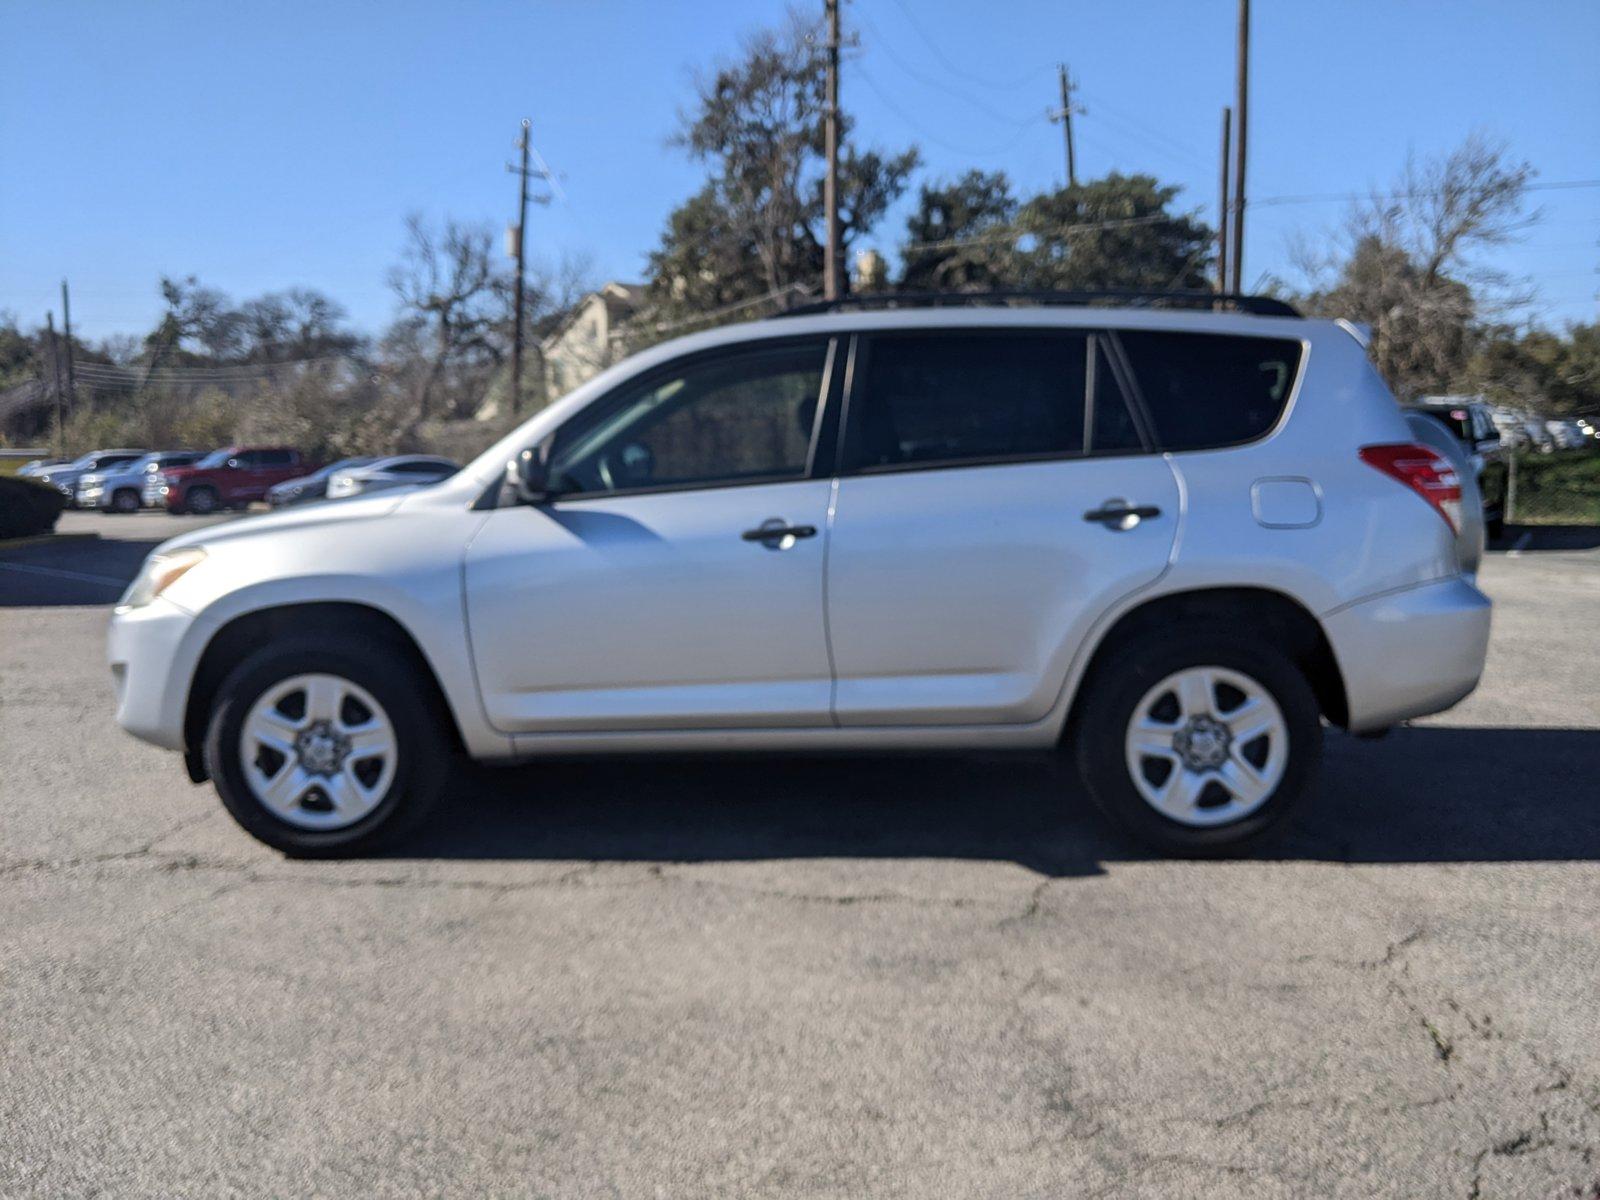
(527, 475)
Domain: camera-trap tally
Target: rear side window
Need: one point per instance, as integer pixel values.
(1203, 391)
(273, 458)
(952, 397)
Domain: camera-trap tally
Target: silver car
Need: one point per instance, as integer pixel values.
(64, 477)
(124, 489)
(1167, 545)
(400, 471)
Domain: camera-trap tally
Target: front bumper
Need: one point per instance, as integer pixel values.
(1410, 653)
(153, 652)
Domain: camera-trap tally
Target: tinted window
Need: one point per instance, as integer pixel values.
(1205, 390)
(421, 468)
(1111, 427)
(949, 397)
(270, 458)
(745, 415)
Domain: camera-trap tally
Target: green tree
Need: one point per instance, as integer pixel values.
(960, 238)
(756, 227)
(1116, 232)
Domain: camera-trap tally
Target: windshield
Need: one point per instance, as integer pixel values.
(216, 458)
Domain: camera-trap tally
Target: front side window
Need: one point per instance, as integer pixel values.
(1203, 391)
(742, 416)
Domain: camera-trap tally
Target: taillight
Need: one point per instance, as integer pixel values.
(1425, 471)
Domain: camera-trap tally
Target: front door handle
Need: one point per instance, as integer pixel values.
(1119, 514)
(777, 534)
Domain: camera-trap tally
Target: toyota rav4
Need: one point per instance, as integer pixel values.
(1167, 544)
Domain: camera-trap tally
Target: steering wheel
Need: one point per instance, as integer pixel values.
(634, 465)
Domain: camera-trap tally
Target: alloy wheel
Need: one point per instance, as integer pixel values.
(1207, 745)
(318, 751)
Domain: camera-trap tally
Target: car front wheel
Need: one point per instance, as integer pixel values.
(1196, 744)
(202, 500)
(322, 747)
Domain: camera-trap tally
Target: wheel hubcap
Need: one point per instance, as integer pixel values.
(318, 751)
(1207, 745)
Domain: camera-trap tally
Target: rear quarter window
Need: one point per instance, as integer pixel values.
(1205, 391)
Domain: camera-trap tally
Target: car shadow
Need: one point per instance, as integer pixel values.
(1547, 537)
(70, 571)
(1423, 794)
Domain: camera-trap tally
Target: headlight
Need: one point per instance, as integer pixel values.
(160, 571)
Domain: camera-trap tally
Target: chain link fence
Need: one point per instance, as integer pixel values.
(1560, 488)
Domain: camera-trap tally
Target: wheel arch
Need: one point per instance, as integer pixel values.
(249, 631)
(1282, 619)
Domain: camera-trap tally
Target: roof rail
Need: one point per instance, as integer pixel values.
(1261, 306)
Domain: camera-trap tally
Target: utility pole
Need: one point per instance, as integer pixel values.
(55, 376)
(1222, 206)
(832, 284)
(517, 248)
(1064, 115)
(1242, 106)
(66, 321)
(522, 244)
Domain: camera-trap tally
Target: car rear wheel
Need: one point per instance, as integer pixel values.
(1197, 744)
(321, 747)
(125, 500)
(201, 500)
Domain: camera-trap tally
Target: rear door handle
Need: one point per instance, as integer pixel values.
(1119, 514)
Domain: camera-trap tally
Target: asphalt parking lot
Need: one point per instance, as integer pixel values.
(862, 977)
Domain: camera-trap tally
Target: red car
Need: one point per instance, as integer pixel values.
(230, 478)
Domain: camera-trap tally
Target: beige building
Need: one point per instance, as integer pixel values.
(589, 338)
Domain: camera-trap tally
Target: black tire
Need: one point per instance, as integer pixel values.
(125, 500)
(201, 501)
(424, 756)
(1113, 692)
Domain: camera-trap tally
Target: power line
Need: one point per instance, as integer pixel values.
(982, 106)
(936, 139)
(1011, 235)
(1013, 84)
(1334, 197)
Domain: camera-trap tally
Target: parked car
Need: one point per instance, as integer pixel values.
(1567, 435)
(233, 477)
(1471, 422)
(123, 488)
(64, 478)
(404, 470)
(1167, 544)
(310, 487)
(33, 466)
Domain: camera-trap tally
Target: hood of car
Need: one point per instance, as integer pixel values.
(287, 520)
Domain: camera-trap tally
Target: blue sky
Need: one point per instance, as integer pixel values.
(265, 145)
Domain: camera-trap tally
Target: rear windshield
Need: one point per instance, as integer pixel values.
(1203, 391)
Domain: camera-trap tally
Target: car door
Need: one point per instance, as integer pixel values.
(995, 498)
(675, 579)
(236, 477)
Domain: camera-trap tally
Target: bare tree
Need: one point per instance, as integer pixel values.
(448, 286)
(1409, 266)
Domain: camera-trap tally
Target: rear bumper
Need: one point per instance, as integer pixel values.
(1410, 653)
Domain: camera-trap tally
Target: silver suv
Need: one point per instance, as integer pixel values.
(1170, 544)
